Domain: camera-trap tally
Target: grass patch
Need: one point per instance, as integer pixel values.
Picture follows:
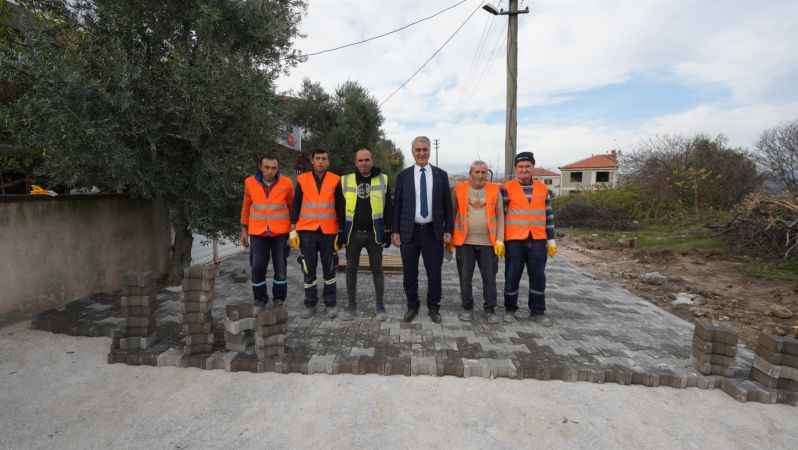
(678, 238)
(774, 270)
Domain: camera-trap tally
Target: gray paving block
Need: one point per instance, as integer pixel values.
(240, 311)
(271, 330)
(718, 348)
(193, 339)
(239, 326)
(423, 365)
(197, 296)
(740, 390)
(474, 368)
(193, 284)
(775, 371)
(322, 364)
(200, 272)
(197, 328)
(171, 358)
(269, 352)
(195, 307)
(501, 368)
(277, 339)
(359, 351)
(216, 361)
(136, 343)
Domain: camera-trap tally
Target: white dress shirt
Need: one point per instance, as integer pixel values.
(417, 178)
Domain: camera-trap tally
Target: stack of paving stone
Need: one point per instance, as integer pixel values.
(239, 328)
(714, 349)
(197, 302)
(776, 363)
(270, 334)
(138, 331)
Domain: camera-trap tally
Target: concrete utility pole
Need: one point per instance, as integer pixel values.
(511, 130)
(435, 143)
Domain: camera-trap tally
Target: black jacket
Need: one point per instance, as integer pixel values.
(363, 221)
(404, 204)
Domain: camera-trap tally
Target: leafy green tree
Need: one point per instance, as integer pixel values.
(389, 157)
(167, 100)
(342, 123)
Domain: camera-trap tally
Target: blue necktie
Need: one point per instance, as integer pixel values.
(423, 184)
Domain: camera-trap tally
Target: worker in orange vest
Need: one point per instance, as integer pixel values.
(529, 239)
(478, 238)
(265, 223)
(316, 218)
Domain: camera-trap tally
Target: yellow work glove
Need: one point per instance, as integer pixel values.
(551, 248)
(498, 249)
(293, 239)
(336, 243)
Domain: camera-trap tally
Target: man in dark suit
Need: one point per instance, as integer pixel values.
(422, 224)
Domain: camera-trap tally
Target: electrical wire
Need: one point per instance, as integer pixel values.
(434, 54)
(320, 52)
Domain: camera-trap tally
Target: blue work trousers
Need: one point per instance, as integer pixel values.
(261, 250)
(530, 254)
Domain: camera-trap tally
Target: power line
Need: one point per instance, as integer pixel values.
(388, 33)
(472, 83)
(432, 56)
(472, 86)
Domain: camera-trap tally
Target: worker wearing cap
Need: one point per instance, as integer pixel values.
(529, 239)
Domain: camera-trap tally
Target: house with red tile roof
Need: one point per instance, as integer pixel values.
(549, 178)
(590, 173)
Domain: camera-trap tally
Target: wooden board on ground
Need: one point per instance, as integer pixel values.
(390, 263)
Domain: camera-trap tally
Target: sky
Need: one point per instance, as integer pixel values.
(592, 75)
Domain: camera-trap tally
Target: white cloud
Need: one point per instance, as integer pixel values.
(565, 47)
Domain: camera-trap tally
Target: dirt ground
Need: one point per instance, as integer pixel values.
(720, 288)
(59, 392)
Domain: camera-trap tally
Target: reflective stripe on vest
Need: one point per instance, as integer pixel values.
(268, 213)
(461, 214)
(318, 208)
(379, 186)
(524, 218)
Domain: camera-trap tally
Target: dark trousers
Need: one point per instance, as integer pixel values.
(424, 244)
(357, 241)
(482, 255)
(529, 253)
(261, 249)
(312, 244)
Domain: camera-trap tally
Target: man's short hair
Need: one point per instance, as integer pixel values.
(477, 162)
(419, 138)
(269, 156)
(362, 150)
(318, 151)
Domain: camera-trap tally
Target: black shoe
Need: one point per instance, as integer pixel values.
(435, 316)
(410, 315)
(261, 303)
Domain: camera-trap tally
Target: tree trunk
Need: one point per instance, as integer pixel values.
(180, 257)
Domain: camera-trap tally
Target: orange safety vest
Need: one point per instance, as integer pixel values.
(524, 217)
(318, 208)
(260, 213)
(461, 217)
